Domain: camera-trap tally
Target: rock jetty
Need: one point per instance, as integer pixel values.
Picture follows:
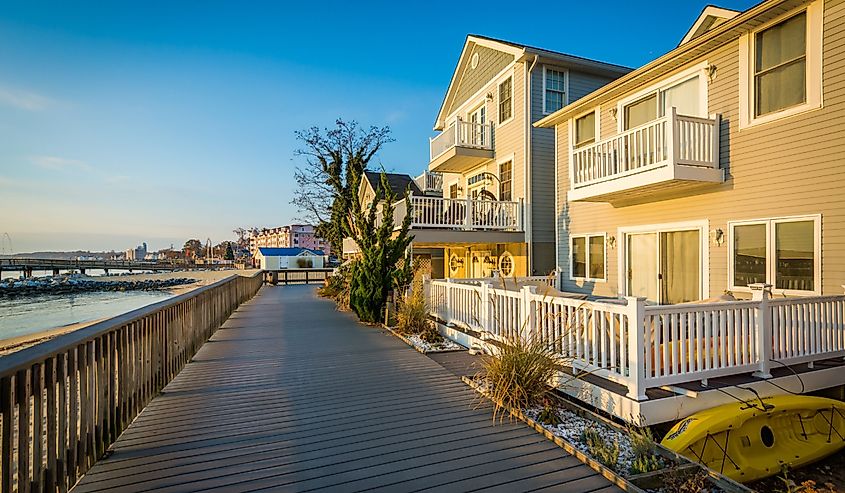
(74, 284)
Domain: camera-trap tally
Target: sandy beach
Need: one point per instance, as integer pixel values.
(203, 278)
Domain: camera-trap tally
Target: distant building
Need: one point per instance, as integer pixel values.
(137, 253)
(288, 258)
(293, 236)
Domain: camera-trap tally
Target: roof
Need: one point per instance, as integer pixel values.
(287, 252)
(689, 51)
(523, 52)
(711, 16)
(398, 182)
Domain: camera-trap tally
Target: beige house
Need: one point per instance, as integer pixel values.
(485, 201)
(719, 165)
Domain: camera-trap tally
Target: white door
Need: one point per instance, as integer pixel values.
(664, 266)
(478, 118)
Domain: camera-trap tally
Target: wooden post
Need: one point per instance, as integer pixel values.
(448, 300)
(636, 343)
(485, 312)
(528, 313)
(672, 141)
(762, 293)
(468, 214)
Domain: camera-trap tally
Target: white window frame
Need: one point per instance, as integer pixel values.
(498, 95)
(771, 268)
(572, 132)
(704, 261)
(747, 47)
(565, 87)
(587, 237)
(699, 69)
(513, 263)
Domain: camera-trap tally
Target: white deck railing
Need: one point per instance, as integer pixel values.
(464, 214)
(430, 181)
(644, 347)
(462, 134)
(674, 138)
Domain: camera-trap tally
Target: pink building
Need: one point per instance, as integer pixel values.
(293, 236)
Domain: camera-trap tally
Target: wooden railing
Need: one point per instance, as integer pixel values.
(674, 138)
(64, 401)
(462, 134)
(643, 346)
(466, 214)
(296, 276)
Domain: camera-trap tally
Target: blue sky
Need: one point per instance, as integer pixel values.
(124, 122)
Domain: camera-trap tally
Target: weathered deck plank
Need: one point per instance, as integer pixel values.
(291, 395)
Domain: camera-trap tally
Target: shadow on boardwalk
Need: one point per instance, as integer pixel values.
(291, 395)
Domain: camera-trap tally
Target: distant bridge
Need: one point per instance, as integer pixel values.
(27, 265)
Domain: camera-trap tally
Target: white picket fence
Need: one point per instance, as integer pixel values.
(643, 346)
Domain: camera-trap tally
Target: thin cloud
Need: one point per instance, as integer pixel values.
(54, 163)
(25, 100)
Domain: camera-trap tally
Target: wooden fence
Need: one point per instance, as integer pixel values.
(296, 276)
(645, 346)
(63, 402)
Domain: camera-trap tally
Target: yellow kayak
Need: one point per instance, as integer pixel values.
(745, 442)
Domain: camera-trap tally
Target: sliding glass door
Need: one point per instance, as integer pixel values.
(664, 266)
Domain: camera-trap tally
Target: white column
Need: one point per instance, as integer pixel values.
(636, 343)
(762, 293)
(528, 313)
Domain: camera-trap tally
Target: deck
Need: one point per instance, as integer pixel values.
(292, 395)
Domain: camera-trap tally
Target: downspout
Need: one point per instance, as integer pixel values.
(528, 203)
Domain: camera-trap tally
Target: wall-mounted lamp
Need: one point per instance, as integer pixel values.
(489, 260)
(711, 72)
(717, 236)
(611, 242)
(489, 96)
(613, 113)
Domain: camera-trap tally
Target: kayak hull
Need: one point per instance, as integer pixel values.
(757, 439)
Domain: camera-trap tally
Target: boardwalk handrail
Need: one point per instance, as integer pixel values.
(64, 401)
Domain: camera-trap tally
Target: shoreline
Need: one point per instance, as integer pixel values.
(202, 278)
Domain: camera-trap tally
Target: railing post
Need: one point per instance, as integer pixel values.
(717, 129)
(520, 215)
(485, 307)
(529, 316)
(672, 141)
(448, 313)
(762, 293)
(636, 346)
(468, 214)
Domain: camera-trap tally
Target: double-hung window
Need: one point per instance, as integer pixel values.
(505, 100)
(554, 82)
(780, 66)
(587, 257)
(506, 181)
(783, 252)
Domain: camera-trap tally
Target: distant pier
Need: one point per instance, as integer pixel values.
(28, 265)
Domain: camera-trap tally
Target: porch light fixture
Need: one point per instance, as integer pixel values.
(611, 242)
(613, 113)
(718, 236)
(489, 96)
(711, 72)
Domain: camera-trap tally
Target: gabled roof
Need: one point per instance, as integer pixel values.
(694, 49)
(398, 182)
(710, 17)
(520, 52)
(288, 252)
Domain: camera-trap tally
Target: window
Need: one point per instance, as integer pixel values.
(588, 257)
(505, 181)
(685, 91)
(506, 264)
(506, 100)
(780, 65)
(453, 191)
(585, 129)
(782, 252)
(554, 82)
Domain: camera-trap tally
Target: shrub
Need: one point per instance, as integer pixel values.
(518, 376)
(412, 315)
(642, 445)
(604, 452)
(304, 263)
(337, 287)
(549, 415)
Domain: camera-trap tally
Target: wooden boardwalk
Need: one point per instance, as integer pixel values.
(291, 395)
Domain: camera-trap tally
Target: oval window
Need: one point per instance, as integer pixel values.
(474, 61)
(506, 264)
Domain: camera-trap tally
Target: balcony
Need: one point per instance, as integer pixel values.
(461, 146)
(668, 155)
(430, 182)
(460, 214)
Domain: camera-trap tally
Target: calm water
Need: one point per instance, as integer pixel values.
(26, 315)
(89, 272)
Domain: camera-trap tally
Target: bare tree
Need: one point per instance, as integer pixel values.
(327, 182)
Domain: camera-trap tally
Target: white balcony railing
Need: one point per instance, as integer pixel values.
(673, 139)
(462, 214)
(643, 346)
(462, 134)
(430, 181)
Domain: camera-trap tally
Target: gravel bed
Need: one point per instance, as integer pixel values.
(446, 345)
(574, 425)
